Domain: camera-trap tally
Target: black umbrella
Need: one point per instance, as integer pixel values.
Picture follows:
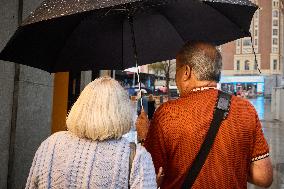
(66, 35)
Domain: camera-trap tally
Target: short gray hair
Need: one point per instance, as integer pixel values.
(204, 58)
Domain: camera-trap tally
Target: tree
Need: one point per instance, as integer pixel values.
(166, 69)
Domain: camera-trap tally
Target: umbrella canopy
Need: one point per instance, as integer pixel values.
(99, 34)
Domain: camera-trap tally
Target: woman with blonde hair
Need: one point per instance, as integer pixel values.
(93, 153)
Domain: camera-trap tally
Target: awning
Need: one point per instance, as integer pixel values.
(242, 79)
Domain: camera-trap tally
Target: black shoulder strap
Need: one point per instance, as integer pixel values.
(220, 113)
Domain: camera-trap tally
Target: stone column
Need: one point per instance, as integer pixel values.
(8, 22)
(31, 99)
(277, 101)
(86, 78)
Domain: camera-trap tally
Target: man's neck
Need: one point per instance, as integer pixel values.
(200, 84)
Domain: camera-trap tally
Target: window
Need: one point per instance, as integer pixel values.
(246, 42)
(275, 41)
(275, 13)
(275, 22)
(275, 4)
(255, 32)
(275, 31)
(246, 65)
(255, 42)
(275, 50)
(238, 65)
(238, 43)
(274, 64)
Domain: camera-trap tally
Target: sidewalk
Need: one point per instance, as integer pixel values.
(273, 132)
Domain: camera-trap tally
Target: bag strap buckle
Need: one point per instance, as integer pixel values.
(224, 102)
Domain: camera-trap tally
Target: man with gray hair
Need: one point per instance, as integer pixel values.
(239, 154)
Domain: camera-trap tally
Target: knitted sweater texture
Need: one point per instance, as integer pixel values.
(65, 161)
(179, 127)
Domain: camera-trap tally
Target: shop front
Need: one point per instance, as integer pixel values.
(246, 86)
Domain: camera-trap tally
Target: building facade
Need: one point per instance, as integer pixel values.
(265, 45)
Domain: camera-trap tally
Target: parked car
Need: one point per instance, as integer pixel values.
(173, 91)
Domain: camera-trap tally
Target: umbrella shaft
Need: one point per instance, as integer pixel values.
(130, 18)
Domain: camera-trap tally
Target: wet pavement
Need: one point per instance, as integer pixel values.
(263, 107)
(273, 131)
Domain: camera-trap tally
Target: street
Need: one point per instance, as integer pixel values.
(273, 131)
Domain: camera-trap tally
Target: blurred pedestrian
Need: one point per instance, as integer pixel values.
(92, 153)
(142, 97)
(239, 153)
(161, 99)
(151, 106)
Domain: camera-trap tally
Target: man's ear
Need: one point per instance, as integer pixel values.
(187, 73)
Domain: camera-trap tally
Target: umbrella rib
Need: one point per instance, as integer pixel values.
(64, 44)
(172, 25)
(228, 19)
(122, 46)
